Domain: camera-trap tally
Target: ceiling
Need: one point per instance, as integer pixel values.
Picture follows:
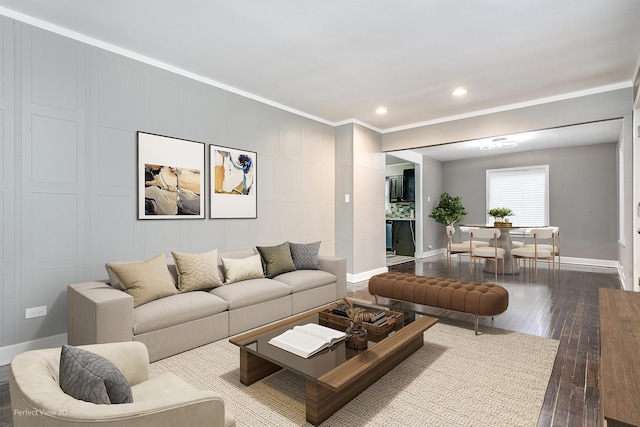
(601, 132)
(337, 60)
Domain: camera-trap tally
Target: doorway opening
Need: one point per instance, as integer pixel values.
(401, 210)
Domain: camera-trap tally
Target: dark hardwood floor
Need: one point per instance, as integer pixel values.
(564, 308)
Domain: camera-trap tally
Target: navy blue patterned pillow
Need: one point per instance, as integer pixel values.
(92, 378)
(305, 256)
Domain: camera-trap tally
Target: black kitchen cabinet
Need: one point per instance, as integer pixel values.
(395, 188)
(402, 188)
(403, 237)
(409, 185)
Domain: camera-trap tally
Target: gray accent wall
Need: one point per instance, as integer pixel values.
(8, 262)
(369, 214)
(360, 222)
(344, 211)
(70, 113)
(582, 193)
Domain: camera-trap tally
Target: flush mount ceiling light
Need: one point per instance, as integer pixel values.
(381, 110)
(498, 143)
(459, 91)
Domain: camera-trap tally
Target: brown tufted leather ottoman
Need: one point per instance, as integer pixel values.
(479, 299)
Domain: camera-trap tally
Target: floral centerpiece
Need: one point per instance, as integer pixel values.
(500, 216)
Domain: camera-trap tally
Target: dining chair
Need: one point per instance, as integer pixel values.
(552, 243)
(520, 233)
(455, 248)
(466, 229)
(491, 252)
(537, 251)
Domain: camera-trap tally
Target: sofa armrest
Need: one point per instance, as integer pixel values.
(337, 267)
(98, 313)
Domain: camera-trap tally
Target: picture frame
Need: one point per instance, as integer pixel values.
(233, 183)
(171, 177)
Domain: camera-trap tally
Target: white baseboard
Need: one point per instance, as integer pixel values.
(7, 353)
(432, 253)
(366, 275)
(623, 278)
(606, 263)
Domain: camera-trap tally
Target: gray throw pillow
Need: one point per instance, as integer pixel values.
(87, 376)
(276, 259)
(305, 256)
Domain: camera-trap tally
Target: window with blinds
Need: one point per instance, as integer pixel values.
(524, 190)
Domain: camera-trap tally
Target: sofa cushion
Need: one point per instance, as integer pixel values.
(249, 292)
(305, 255)
(197, 271)
(302, 280)
(236, 270)
(146, 280)
(87, 376)
(176, 310)
(276, 259)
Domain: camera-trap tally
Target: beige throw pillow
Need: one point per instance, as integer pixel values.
(197, 271)
(145, 281)
(236, 270)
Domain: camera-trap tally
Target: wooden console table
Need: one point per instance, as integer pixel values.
(619, 358)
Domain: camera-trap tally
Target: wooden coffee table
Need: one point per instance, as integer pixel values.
(334, 376)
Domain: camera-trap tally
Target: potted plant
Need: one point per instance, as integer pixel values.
(500, 216)
(449, 210)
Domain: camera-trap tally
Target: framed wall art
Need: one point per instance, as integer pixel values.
(171, 175)
(233, 183)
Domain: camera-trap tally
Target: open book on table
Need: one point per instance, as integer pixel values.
(307, 340)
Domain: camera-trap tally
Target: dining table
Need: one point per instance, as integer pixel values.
(504, 242)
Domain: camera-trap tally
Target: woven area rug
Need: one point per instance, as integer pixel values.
(498, 378)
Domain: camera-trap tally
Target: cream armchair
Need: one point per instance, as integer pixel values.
(164, 400)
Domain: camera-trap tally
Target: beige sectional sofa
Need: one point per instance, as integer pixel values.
(100, 313)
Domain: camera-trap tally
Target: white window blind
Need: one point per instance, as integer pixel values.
(524, 190)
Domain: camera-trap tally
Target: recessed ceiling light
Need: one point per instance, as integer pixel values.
(381, 110)
(459, 92)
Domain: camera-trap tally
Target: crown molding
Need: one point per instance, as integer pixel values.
(358, 122)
